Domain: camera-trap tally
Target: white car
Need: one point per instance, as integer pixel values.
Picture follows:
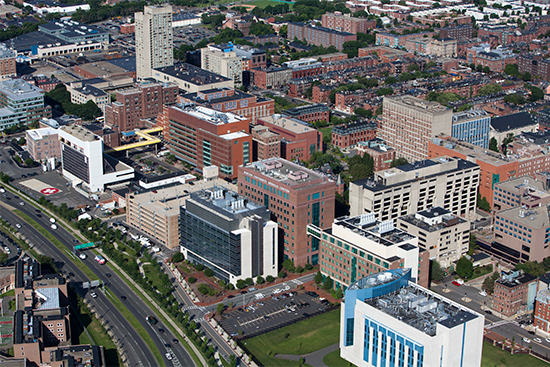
(526, 340)
(168, 356)
(21, 203)
(54, 226)
(537, 340)
(547, 340)
(82, 256)
(93, 294)
(483, 293)
(18, 225)
(7, 249)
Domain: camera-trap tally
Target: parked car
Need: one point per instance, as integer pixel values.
(537, 340)
(526, 340)
(93, 294)
(456, 283)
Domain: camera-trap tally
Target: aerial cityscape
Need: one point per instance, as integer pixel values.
(320, 183)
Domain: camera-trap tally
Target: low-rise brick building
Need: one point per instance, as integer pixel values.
(309, 113)
(319, 36)
(381, 153)
(347, 23)
(344, 136)
(265, 143)
(270, 77)
(514, 292)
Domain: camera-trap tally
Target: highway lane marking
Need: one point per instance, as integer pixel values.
(223, 345)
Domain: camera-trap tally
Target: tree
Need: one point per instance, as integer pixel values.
(29, 162)
(514, 98)
(327, 284)
(260, 280)
(413, 67)
(191, 280)
(220, 308)
(318, 278)
(249, 281)
(430, 64)
(464, 268)
(436, 272)
(21, 141)
(526, 76)
(384, 91)
(536, 93)
(282, 274)
(486, 70)
(208, 272)
(399, 162)
(493, 144)
(241, 284)
(390, 80)
(3, 258)
(511, 69)
(489, 282)
(473, 244)
(489, 89)
(482, 203)
(269, 278)
(177, 257)
(288, 265)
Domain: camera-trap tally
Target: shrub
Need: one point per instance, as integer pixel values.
(199, 267)
(269, 279)
(282, 274)
(308, 266)
(208, 272)
(260, 280)
(191, 280)
(178, 256)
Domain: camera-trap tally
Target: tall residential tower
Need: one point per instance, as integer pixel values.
(154, 40)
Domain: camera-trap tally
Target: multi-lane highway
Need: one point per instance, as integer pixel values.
(137, 351)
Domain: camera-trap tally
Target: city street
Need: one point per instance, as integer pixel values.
(115, 285)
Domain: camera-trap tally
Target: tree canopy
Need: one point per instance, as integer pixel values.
(62, 97)
(464, 268)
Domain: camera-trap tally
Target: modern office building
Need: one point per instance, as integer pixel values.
(134, 105)
(298, 139)
(514, 292)
(221, 59)
(387, 320)
(84, 162)
(191, 79)
(230, 234)
(233, 100)
(204, 137)
(472, 126)
(525, 191)
(154, 40)
(445, 182)
(358, 246)
(380, 152)
(344, 136)
(43, 143)
(445, 236)
(296, 197)
(347, 23)
(410, 123)
(319, 36)
(21, 103)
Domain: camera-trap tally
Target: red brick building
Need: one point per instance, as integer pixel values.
(542, 310)
(464, 31)
(296, 197)
(346, 23)
(197, 136)
(384, 53)
(265, 144)
(534, 64)
(337, 56)
(270, 77)
(133, 105)
(232, 100)
(298, 139)
(344, 136)
(127, 28)
(309, 113)
(319, 36)
(320, 93)
(511, 291)
(381, 153)
(42, 82)
(398, 40)
(7, 62)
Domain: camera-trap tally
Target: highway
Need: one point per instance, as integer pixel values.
(136, 349)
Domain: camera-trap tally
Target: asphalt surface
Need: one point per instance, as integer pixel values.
(10, 168)
(137, 351)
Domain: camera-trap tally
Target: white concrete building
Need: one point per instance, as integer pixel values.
(154, 39)
(450, 183)
(387, 320)
(84, 162)
(229, 234)
(224, 61)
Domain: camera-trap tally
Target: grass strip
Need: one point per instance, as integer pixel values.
(9, 293)
(333, 359)
(494, 356)
(6, 229)
(137, 326)
(155, 309)
(56, 242)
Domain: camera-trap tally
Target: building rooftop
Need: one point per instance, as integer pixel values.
(48, 298)
(433, 220)
(26, 42)
(286, 172)
(192, 74)
(513, 121)
(392, 293)
(90, 90)
(38, 134)
(302, 110)
(374, 230)
(376, 144)
(353, 128)
(473, 151)
(419, 105)
(323, 29)
(125, 63)
(469, 115)
(226, 200)
(536, 217)
(291, 124)
(104, 68)
(514, 278)
(209, 115)
(524, 183)
(17, 89)
(80, 133)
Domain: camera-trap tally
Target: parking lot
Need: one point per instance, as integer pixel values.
(266, 314)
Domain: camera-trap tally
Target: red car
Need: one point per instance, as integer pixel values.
(456, 283)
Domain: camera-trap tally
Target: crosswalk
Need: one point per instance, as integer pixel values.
(500, 323)
(296, 281)
(194, 307)
(175, 360)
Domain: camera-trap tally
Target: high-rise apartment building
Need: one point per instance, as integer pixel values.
(410, 123)
(296, 197)
(154, 40)
(387, 320)
(21, 103)
(472, 126)
(229, 234)
(358, 246)
(7, 62)
(221, 59)
(143, 101)
(450, 183)
(204, 137)
(444, 235)
(319, 36)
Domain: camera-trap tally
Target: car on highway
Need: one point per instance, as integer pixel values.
(123, 298)
(108, 275)
(456, 283)
(21, 203)
(18, 225)
(82, 256)
(166, 345)
(151, 320)
(161, 330)
(100, 259)
(54, 226)
(537, 340)
(527, 340)
(168, 356)
(93, 294)
(7, 249)
(175, 341)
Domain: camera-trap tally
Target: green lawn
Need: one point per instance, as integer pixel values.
(333, 359)
(150, 274)
(9, 293)
(303, 337)
(263, 3)
(326, 131)
(496, 357)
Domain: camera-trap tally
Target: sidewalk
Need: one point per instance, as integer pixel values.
(313, 359)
